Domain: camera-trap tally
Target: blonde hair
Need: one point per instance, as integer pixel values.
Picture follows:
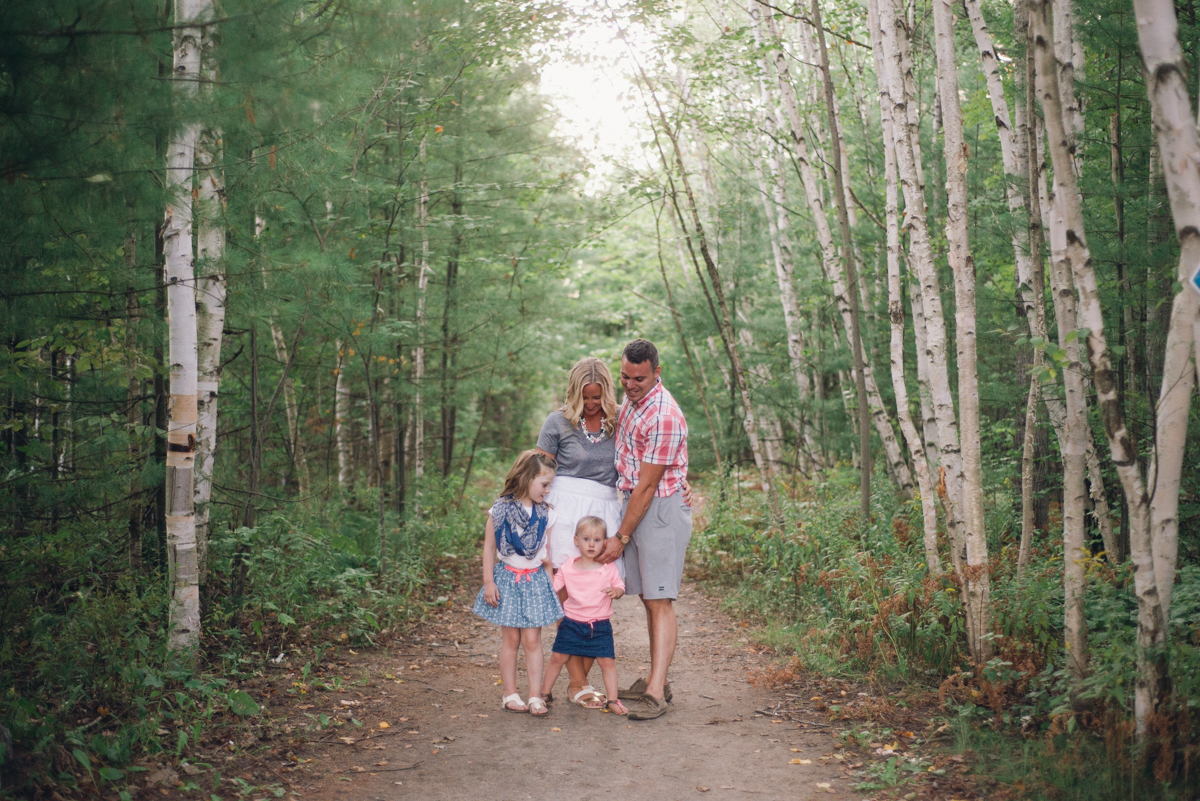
(590, 370)
(529, 465)
(591, 523)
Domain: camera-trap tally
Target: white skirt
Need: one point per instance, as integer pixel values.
(574, 499)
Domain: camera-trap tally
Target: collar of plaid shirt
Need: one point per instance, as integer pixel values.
(655, 390)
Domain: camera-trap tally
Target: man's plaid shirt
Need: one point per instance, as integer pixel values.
(653, 431)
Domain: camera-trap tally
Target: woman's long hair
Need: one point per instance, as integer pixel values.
(590, 370)
(529, 465)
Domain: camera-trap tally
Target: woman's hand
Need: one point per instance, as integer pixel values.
(613, 592)
(687, 493)
(491, 593)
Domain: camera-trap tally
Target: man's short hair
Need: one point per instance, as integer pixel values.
(642, 350)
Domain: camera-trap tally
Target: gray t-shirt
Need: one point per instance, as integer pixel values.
(576, 456)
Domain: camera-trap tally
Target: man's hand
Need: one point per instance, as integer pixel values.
(613, 592)
(613, 548)
(687, 493)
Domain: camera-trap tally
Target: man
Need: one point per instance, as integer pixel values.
(656, 525)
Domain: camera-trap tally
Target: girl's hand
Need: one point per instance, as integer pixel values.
(613, 592)
(491, 594)
(687, 493)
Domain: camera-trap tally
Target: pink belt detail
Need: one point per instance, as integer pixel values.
(519, 572)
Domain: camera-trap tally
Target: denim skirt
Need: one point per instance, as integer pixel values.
(585, 639)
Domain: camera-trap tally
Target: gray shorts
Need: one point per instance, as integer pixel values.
(654, 557)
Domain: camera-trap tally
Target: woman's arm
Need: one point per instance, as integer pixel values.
(491, 594)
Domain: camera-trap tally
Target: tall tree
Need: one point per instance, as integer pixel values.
(190, 15)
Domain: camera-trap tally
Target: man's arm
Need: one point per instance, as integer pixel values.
(639, 503)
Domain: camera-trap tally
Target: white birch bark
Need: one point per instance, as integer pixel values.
(341, 417)
(949, 463)
(1178, 142)
(418, 373)
(779, 226)
(1068, 248)
(210, 303)
(962, 264)
(1014, 147)
(896, 312)
(830, 260)
(184, 616)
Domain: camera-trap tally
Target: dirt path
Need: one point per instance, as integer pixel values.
(448, 739)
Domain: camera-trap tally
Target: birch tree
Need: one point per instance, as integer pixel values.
(873, 412)
(418, 369)
(1155, 549)
(927, 298)
(962, 264)
(182, 329)
(896, 308)
(210, 301)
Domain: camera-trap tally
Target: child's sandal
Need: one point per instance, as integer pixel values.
(616, 707)
(515, 698)
(538, 708)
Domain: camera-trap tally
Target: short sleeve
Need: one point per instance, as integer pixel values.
(560, 581)
(551, 433)
(615, 577)
(664, 438)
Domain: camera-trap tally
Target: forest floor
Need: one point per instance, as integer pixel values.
(421, 718)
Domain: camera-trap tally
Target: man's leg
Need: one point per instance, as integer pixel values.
(660, 618)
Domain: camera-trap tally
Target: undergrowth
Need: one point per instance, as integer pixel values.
(89, 687)
(843, 599)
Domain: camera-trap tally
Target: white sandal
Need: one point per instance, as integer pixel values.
(537, 707)
(508, 699)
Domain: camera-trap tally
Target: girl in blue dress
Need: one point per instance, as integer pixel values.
(517, 592)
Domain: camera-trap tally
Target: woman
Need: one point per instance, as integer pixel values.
(580, 437)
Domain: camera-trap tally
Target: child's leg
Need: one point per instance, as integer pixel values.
(531, 639)
(578, 668)
(608, 669)
(553, 670)
(510, 640)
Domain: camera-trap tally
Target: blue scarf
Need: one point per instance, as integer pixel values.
(509, 515)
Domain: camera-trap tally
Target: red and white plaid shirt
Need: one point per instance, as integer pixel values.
(652, 431)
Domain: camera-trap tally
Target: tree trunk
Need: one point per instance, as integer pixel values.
(927, 300)
(896, 311)
(449, 408)
(854, 334)
(775, 208)
(1032, 286)
(418, 371)
(181, 315)
(1154, 550)
(341, 411)
(834, 267)
(687, 351)
(1067, 246)
(962, 264)
(210, 303)
(133, 414)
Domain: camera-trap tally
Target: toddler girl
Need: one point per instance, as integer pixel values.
(516, 594)
(587, 589)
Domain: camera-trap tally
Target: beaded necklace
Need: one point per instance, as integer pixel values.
(592, 438)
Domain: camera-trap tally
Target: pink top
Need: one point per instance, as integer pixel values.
(586, 601)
